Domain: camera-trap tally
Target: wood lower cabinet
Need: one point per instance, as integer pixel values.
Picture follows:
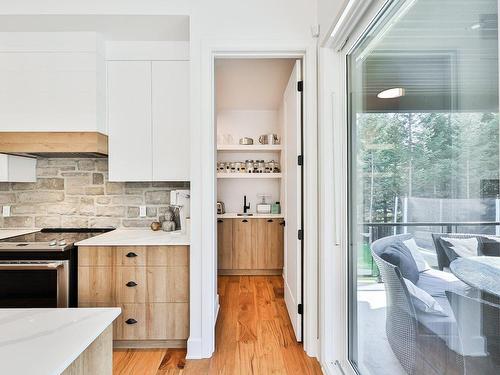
(149, 283)
(225, 244)
(268, 249)
(243, 244)
(250, 246)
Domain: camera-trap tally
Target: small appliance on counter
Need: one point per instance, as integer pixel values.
(221, 209)
(180, 202)
(263, 207)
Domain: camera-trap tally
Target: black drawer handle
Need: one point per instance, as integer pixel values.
(131, 255)
(270, 221)
(130, 284)
(131, 321)
(220, 221)
(244, 221)
(282, 223)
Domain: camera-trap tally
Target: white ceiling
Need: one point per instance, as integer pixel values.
(113, 27)
(251, 84)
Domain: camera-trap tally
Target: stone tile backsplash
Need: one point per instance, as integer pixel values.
(77, 193)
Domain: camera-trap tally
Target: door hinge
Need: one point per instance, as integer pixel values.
(300, 86)
(300, 309)
(300, 234)
(300, 160)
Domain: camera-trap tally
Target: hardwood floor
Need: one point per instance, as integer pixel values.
(254, 335)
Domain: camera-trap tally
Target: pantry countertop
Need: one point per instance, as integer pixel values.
(234, 215)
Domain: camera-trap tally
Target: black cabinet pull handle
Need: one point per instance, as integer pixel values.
(131, 321)
(131, 255)
(220, 221)
(244, 221)
(282, 223)
(270, 221)
(130, 284)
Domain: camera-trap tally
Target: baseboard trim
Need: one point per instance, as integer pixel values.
(194, 348)
(149, 344)
(250, 272)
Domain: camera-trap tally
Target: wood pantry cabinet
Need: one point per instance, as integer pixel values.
(250, 246)
(149, 283)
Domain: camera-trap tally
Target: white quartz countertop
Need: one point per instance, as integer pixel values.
(6, 233)
(47, 341)
(230, 215)
(137, 237)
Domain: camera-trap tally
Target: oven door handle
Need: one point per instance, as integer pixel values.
(31, 266)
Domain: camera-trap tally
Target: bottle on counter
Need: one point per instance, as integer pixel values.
(276, 208)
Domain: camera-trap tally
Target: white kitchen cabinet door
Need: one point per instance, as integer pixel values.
(129, 120)
(17, 168)
(171, 142)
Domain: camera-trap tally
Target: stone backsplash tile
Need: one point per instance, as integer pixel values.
(76, 193)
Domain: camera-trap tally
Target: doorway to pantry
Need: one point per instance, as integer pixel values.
(258, 117)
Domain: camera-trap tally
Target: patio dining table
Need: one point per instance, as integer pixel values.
(480, 272)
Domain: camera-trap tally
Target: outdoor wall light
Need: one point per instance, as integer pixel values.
(395, 92)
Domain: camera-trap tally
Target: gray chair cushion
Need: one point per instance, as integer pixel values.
(400, 256)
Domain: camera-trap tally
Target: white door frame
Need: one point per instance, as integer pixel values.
(203, 255)
(333, 181)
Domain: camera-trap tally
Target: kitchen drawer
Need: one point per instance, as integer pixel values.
(95, 255)
(167, 284)
(171, 256)
(130, 256)
(132, 323)
(167, 321)
(95, 285)
(130, 284)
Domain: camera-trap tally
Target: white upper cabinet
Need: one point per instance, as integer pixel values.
(17, 168)
(52, 82)
(129, 120)
(148, 115)
(171, 142)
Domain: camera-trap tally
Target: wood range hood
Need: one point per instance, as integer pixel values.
(55, 144)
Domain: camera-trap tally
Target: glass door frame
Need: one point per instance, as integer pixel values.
(357, 18)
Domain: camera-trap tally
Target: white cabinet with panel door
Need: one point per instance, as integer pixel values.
(17, 168)
(148, 120)
(170, 120)
(129, 120)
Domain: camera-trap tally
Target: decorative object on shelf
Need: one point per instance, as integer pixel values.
(269, 139)
(155, 225)
(221, 209)
(249, 166)
(276, 208)
(168, 224)
(246, 141)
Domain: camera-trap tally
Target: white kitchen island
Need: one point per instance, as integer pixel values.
(56, 341)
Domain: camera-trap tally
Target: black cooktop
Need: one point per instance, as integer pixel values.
(70, 235)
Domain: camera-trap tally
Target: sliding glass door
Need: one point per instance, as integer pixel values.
(424, 204)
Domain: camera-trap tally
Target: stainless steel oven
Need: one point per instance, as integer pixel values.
(41, 269)
(34, 283)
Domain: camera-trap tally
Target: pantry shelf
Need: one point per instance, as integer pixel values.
(250, 148)
(249, 175)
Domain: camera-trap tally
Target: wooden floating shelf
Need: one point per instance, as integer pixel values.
(250, 148)
(249, 175)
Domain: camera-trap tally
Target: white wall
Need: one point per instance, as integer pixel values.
(260, 23)
(328, 12)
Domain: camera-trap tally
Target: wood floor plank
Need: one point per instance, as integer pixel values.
(254, 335)
(139, 361)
